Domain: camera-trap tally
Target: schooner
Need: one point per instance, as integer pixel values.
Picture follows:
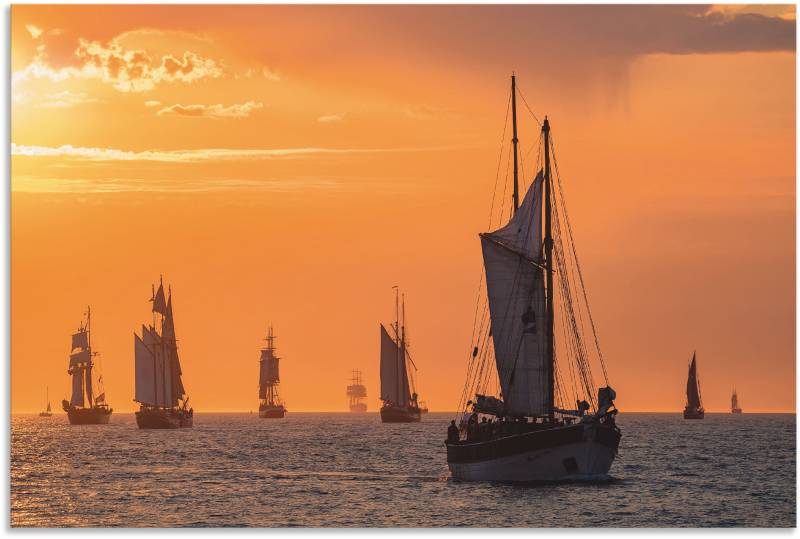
(268, 379)
(735, 403)
(521, 420)
(159, 388)
(398, 395)
(83, 407)
(694, 407)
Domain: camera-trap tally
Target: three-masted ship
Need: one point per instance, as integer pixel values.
(83, 407)
(397, 393)
(48, 411)
(270, 405)
(356, 393)
(694, 407)
(537, 427)
(159, 386)
(735, 409)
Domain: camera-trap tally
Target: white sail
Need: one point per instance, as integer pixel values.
(394, 378)
(77, 387)
(145, 377)
(515, 287)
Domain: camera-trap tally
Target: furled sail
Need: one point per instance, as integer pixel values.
(692, 388)
(77, 387)
(512, 257)
(394, 378)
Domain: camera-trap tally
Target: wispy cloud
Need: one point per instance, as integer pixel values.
(152, 103)
(34, 31)
(237, 110)
(189, 156)
(331, 118)
(66, 99)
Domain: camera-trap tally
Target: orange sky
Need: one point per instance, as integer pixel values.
(152, 140)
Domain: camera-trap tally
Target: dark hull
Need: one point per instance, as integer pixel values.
(89, 416)
(271, 412)
(164, 419)
(736, 411)
(575, 452)
(694, 413)
(395, 414)
(358, 408)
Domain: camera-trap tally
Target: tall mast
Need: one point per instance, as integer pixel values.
(514, 139)
(548, 249)
(88, 368)
(397, 335)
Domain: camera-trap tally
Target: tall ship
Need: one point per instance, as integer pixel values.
(694, 407)
(735, 403)
(83, 407)
(356, 393)
(528, 414)
(163, 403)
(49, 410)
(397, 389)
(270, 405)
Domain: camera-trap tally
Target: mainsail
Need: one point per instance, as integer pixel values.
(692, 386)
(394, 376)
(512, 258)
(80, 366)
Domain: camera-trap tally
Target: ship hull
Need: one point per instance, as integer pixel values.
(45, 414)
(736, 411)
(358, 408)
(89, 416)
(694, 413)
(164, 419)
(572, 453)
(394, 414)
(272, 412)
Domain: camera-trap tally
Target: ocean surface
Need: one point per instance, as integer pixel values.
(351, 470)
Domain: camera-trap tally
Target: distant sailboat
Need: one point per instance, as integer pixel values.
(423, 407)
(270, 406)
(398, 396)
(90, 410)
(694, 407)
(49, 411)
(735, 403)
(528, 431)
(159, 387)
(356, 392)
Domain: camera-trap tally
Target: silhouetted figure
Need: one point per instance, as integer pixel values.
(452, 432)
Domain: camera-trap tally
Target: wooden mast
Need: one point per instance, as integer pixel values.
(548, 249)
(514, 139)
(88, 368)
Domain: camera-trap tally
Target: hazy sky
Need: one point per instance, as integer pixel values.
(289, 165)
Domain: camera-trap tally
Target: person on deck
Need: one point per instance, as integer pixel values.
(452, 432)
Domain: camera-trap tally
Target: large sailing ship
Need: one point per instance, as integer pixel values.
(694, 407)
(356, 393)
(270, 406)
(735, 403)
(525, 423)
(83, 407)
(159, 387)
(48, 411)
(397, 389)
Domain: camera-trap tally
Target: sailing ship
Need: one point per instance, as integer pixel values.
(735, 403)
(423, 407)
(49, 411)
(268, 380)
(163, 403)
(694, 407)
(526, 432)
(356, 392)
(397, 392)
(83, 407)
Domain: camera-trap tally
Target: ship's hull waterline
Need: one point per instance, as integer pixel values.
(164, 419)
(276, 412)
(694, 414)
(89, 416)
(575, 453)
(392, 414)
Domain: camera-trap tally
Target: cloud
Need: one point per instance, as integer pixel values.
(35, 31)
(331, 118)
(237, 110)
(127, 70)
(152, 103)
(269, 74)
(66, 99)
(190, 156)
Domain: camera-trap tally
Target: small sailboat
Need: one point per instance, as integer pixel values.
(49, 411)
(694, 407)
(397, 392)
(423, 407)
(270, 406)
(84, 409)
(528, 430)
(163, 403)
(735, 403)
(356, 393)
